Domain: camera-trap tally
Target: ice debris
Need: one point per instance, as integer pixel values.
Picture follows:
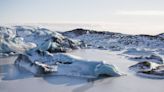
(151, 58)
(148, 69)
(21, 39)
(68, 65)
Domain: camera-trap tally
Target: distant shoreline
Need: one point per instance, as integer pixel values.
(115, 27)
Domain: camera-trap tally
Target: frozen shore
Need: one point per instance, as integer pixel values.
(72, 60)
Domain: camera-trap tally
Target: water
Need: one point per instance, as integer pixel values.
(16, 80)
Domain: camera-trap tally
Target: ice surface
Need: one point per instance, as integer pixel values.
(23, 82)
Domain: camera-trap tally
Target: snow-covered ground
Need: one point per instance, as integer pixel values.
(48, 61)
(14, 80)
(118, 41)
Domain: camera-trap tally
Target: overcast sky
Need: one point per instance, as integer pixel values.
(121, 15)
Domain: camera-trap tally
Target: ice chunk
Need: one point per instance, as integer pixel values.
(37, 68)
(149, 69)
(143, 66)
(68, 65)
(107, 70)
(22, 39)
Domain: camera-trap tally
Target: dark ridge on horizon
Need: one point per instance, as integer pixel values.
(83, 30)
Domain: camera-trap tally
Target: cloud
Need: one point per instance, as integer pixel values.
(142, 13)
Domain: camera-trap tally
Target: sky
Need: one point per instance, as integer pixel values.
(127, 16)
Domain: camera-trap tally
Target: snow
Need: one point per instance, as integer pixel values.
(116, 41)
(46, 54)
